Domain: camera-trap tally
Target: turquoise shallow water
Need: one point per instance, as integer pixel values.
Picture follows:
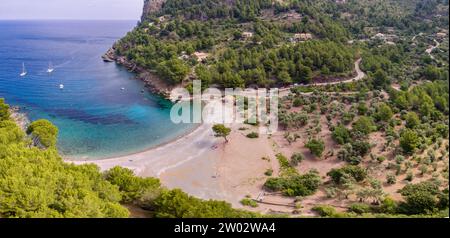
(95, 117)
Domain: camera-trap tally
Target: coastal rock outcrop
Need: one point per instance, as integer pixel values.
(110, 55)
(20, 118)
(152, 82)
(151, 6)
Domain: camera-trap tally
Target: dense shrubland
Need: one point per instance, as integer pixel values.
(291, 183)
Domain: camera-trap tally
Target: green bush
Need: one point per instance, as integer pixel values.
(269, 172)
(173, 70)
(360, 147)
(4, 110)
(177, 204)
(391, 179)
(253, 135)
(360, 208)
(341, 135)
(44, 131)
(364, 125)
(362, 109)
(356, 172)
(384, 113)
(249, 202)
(296, 159)
(275, 184)
(409, 141)
(10, 134)
(423, 198)
(295, 185)
(354, 151)
(132, 188)
(297, 102)
(316, 147)
(388, 206)
(412, 120)
(409, 176)
(221, 130)
(381, 159)
(325, 210)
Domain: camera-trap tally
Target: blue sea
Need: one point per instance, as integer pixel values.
(96, 119)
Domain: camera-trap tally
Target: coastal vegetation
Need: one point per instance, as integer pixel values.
(43, 132)
(376, 146)
(36, 182)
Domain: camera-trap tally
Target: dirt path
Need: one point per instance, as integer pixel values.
(414, 37)
(429, 51)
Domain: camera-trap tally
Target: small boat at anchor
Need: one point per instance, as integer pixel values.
(50, 68)
(24, 71)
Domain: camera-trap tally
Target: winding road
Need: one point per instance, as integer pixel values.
(359, 76)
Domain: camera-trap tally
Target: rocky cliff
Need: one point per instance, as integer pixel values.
(151, 6)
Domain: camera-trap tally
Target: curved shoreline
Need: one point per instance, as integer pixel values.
(170, 147)
(92, 159)
(157, 160)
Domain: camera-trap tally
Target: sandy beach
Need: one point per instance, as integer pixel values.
(155, 161)
(205, 166)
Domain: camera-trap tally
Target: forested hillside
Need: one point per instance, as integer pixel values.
(245, 42)
(277, 43)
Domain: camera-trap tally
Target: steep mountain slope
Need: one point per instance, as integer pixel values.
(241, 43)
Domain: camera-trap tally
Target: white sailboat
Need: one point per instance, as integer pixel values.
(61, 86)
(50, 68)
(24, 72)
